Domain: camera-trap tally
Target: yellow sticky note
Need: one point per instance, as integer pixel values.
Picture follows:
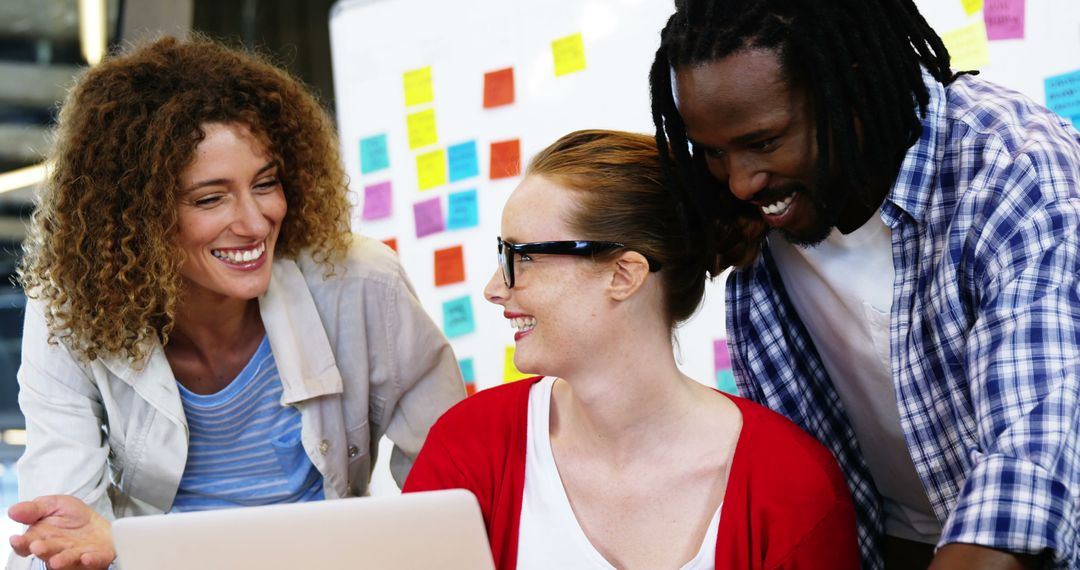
(510, 372)
(968, 46)
(418, 86)
(569, 54)
(431, 169)
(972, 6)
(422, 129)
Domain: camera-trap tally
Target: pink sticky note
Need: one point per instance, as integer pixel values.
(1004, 19)
(721, 357)
(429, 217)
(378, 201)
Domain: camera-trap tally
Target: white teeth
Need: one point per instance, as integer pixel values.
(778, 208)
(240, 256)
(523, 324)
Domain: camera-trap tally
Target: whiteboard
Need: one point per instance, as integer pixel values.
(375, 42)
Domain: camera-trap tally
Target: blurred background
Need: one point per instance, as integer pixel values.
(44, 45)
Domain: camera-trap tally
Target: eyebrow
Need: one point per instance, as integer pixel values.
(223, 181)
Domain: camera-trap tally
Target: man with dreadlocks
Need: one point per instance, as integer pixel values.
(917, 308)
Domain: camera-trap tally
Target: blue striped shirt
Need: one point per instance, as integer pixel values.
(244, 447)
(985, 328)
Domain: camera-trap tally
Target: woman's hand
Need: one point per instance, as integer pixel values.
(64, 532)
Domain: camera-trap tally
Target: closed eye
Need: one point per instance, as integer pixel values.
(268, 184)
(764, 145)
(209, 200)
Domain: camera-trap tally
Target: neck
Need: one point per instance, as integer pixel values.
(631, 395)
(213, 325)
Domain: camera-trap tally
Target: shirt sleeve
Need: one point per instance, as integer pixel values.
(67, 450)
(425, 382)
(1022, 490)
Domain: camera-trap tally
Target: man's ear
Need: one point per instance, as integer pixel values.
(630, 270)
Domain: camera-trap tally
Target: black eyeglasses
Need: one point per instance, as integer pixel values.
(507, 251)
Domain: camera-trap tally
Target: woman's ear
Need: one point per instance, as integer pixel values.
(630, 271)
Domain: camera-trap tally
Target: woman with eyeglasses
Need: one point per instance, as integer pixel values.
(613, 458)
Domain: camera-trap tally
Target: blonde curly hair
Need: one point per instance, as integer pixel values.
(101, 250)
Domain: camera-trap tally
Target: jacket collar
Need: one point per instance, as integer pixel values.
(911, 192)
(301, 348)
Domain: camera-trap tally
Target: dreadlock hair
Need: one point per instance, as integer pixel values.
(864, 56)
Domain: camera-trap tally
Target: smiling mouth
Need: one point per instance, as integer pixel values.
(240, 256)
(779, 207)
(523, 324)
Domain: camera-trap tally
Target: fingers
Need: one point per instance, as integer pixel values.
(20, 545)
(26, 512)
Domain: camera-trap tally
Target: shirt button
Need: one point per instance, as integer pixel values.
(353, 451)
(324, 446)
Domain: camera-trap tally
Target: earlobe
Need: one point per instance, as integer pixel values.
(629, 273)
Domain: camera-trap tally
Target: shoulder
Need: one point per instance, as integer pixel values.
(772, 447)
(1007, 134)
(366, 261)
(491, 413)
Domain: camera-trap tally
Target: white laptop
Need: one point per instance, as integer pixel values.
(437, 529)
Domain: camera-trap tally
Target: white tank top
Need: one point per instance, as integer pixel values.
(549, 535)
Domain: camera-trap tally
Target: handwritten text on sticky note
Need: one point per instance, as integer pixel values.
(1063, 95)
(968, 46)
(1004, 19)
(418, 86)
(458, 317)
(421, 127)
(462, 210)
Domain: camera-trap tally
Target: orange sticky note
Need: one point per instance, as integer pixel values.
(418, 86)
(498, 87)
(569, 53)
(505, 159)
(449, 266)
(391, 243)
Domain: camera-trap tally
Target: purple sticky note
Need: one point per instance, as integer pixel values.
(378, 202)
(429, 217)
(1004, 19)
(721, 357)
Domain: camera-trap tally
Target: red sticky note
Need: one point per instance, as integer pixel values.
(449, 266)
(391, 243)
(505, 159)
(498, 87)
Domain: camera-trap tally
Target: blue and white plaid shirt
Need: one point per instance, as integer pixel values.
(985, 328)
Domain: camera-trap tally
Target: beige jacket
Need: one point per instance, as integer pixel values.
(357, 355)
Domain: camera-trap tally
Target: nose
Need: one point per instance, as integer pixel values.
(743, 175)
(250, 220)
(495, 291)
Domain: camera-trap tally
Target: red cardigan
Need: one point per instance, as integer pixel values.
(786, 503)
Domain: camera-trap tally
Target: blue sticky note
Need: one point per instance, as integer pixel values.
(725, 382)
(458, 317)
(373, 154)
(462, 210)
(467, 372)
(1063, 95)
(463, 162)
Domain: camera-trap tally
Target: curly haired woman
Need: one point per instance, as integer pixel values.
(204, 331)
